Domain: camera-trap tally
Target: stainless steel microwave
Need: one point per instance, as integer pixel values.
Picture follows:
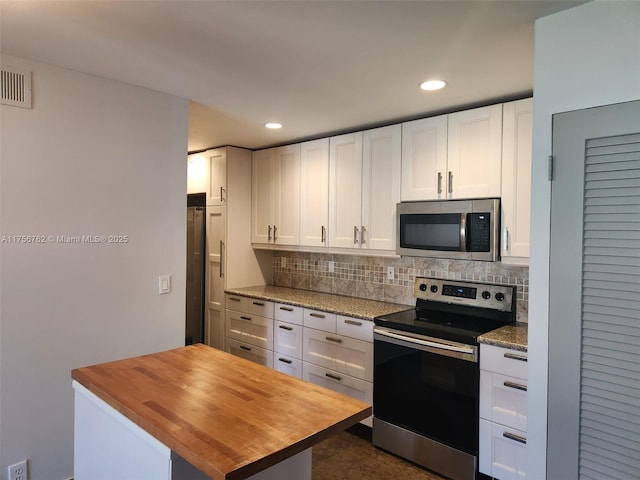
(458, 229)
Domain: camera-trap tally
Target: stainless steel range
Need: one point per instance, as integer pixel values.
(427, 375)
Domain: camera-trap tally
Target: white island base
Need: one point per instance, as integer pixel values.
(109, 446)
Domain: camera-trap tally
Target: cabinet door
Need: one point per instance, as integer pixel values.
(343, 354)
(516, 178)
(380, 187)
(248, 328)
(250, 352)
(286, 195)
(503, 452)
(287, 339)
(314, 192)
(345, 190)
(217, 191)
(198, 173)
(262, 196)
(215, 285)
(474, 153)
(287, 364)
(424, 159)
(503, 399)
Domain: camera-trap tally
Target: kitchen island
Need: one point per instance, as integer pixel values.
(196, 412)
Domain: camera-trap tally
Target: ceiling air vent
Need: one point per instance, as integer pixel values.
(15, 87)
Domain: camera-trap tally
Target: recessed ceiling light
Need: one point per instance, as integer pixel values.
(273, 125)
(432, 85)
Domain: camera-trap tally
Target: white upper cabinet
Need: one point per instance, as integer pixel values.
(516, 179)
(424, 159)
(276, 196)
(207, 173)
(474, 153)
(345, 190)
(380, 186)
(314, 192)
(364, 187)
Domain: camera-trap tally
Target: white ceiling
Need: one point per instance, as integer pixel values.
(318, 67)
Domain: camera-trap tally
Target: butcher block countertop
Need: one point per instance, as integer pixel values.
(228, 417)
(340, 304)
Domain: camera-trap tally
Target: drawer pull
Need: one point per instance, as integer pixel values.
(334, 339)
(517, 386)
(353, 322)
(286, 309)
(245, 318)
(234, 299)
(285, 360)
(516, 438)
(248, 349)
(335, 377)
(317, 315)
(260, 304)
(514, 356)
(284, 327)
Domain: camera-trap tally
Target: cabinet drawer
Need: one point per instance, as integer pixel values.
(320, 320)
(260, 307)
(286, 364)
(288, 313)
(503, 400)
(339, 382)
(287, 338)
(342, 354)
(236, 302)
(503, 454)
(512, 363)
(252, 329)
(250, 352)
(355, 327)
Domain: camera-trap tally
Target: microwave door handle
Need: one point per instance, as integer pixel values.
(463, 232)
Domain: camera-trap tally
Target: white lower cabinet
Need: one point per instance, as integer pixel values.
(503, 412)
(250, 352)
(249, 329)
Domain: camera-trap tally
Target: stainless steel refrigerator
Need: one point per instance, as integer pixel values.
(195, 308)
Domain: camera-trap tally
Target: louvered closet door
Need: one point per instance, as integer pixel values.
(594, 326)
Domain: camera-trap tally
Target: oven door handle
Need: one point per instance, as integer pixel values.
(466, 353)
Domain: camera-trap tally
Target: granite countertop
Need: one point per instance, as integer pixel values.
(339, 304)
(510, 336)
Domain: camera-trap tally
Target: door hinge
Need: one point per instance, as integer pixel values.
(550, 168)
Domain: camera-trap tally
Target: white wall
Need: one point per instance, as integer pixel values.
(92, 157)
(584, 57)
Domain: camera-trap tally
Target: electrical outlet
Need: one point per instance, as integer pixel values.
(389, 273)
(332, 266)
(18, 471)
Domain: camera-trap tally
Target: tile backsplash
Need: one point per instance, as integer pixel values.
(366, 277)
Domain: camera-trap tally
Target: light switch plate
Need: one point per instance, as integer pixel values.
(164, 284)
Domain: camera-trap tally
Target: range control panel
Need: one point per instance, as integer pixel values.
(497, 297)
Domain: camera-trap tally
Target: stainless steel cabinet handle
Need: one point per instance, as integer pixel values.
(515, 356)
(222, 190)
(517, 386)
(285, 360)
(362, 232)
(286, 309)
(274, 232)
(335, 377)
(245, 348)
(221, 259)
(439, 182)
(260, 304)
(355, 235)
(317, 315)
(269, 234)
(235, 299)
(514, 437)
(334, 339)
(284, 327)
(245, 318)
(505, 240)
(450, 183)
(353, 322)
(322, 234)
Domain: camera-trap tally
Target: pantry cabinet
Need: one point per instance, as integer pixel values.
(207, 173)
(276, 196)
(364, 187)
(517, 148)
(314, 192)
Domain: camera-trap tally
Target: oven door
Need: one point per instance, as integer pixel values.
(427, 386)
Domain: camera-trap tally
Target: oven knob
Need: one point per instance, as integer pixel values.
(499, 296)
(434, 288)
(423, 287)
(486, 294)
